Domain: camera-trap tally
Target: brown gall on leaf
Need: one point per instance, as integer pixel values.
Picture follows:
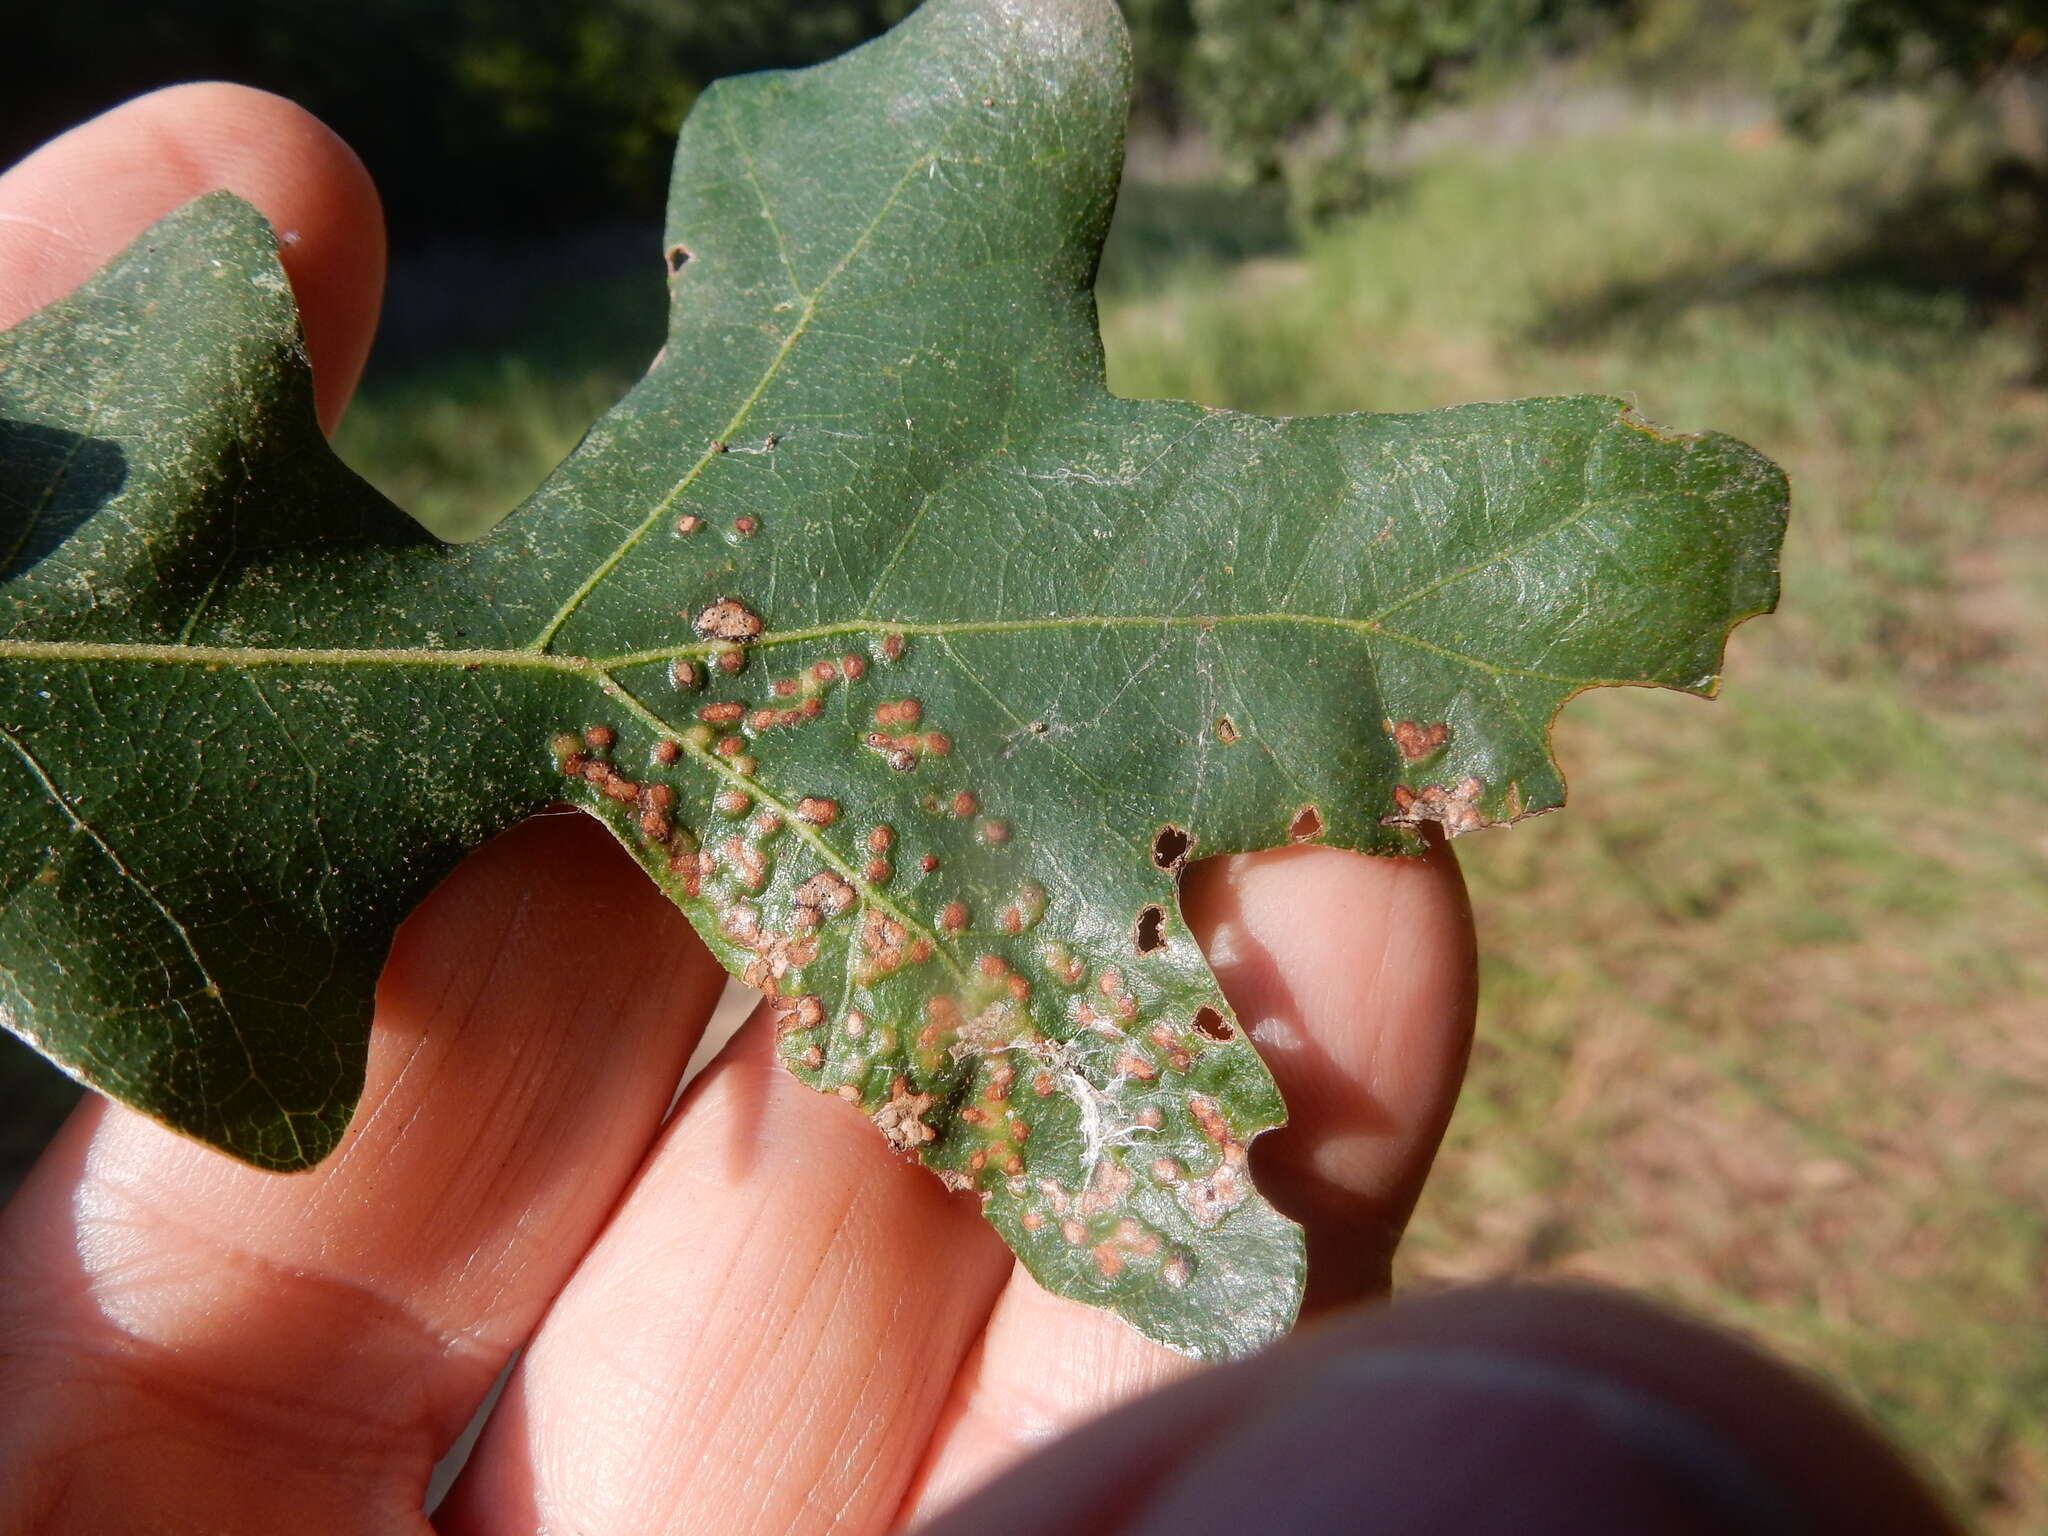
(1178, 1056)
(898, 712)
(796, 1013)
(729, 620)
(827, 893)
(901, 1120)
(1417, 741)
(747, 866)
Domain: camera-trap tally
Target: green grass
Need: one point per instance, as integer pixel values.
(1763, 1018)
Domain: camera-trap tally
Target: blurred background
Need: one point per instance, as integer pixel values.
(1765, 1018)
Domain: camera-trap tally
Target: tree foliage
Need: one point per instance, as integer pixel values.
(1844, 47)
(1300, 90)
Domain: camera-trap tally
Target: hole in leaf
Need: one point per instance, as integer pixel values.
(1226, 730)
(1307, 823)
(1211, 1023)
(678, 258)
(1170, 846)
(1148, 938)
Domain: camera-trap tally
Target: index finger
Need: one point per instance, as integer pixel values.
(80, 198)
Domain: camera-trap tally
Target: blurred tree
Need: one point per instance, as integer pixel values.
(1992, 53)
(1846, 47)
(1298, 91)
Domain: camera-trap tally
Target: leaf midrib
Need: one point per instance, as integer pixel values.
(598, 668)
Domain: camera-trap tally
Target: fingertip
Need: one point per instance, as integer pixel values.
(1558, 1407)
(1501, 1408)
(79, 199)
(1357, 978)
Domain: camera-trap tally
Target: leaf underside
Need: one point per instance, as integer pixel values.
(907, 660)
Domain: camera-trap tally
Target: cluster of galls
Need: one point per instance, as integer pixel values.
(586, 757)
(1454, 807)
(988, 1020)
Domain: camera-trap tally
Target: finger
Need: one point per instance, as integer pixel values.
(209, 1343)
(760, 1342)
(82, 197)
(1356, 978)
(1500, 1409)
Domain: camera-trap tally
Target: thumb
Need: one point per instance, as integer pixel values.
(75, 202)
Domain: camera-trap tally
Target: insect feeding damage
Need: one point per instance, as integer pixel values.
(1170, 846)
(1147, 937)
(1306, 825)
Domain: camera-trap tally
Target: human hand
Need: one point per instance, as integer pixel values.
(752, 1318)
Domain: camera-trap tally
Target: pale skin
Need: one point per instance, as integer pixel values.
(755, 1320)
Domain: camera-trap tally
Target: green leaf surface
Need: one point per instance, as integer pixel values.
(909, 661)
